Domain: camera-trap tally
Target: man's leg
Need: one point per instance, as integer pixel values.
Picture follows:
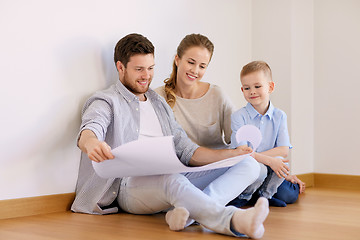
(151, 194)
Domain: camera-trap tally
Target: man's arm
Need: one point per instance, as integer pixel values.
(203, 156)
(96, 150)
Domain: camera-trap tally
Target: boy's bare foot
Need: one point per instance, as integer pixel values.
(177, 218)
(250, 221)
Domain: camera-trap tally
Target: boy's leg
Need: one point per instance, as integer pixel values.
(151, 194)
(270, 184)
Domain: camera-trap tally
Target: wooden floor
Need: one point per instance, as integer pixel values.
(319, 214)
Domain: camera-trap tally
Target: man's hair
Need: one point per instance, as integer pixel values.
(256, 66)
(130, 45)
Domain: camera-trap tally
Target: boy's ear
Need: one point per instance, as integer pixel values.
(271, 86)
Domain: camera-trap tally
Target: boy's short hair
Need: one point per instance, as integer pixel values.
(256, 66)
(130, 45)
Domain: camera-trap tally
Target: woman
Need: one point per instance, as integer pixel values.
(204, 111)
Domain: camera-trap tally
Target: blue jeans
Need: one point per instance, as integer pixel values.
(268, 184)
(287, 192)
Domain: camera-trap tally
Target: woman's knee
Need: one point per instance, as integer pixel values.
(253, 167)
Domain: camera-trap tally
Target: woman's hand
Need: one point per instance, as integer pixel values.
(241, 150)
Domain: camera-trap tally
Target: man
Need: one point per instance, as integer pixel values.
(127, 111)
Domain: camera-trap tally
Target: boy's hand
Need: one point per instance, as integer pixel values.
(279, 167)
(241, 150)
(98, 151)
(294, 179)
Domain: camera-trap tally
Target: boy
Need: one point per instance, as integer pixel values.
(257, 85)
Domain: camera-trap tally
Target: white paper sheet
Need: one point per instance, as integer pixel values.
(154, 156)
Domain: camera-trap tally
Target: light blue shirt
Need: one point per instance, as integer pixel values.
(272, 125)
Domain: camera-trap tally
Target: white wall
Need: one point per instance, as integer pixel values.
(337, 84)
(282, 36)
(54, 54)
(313, 49)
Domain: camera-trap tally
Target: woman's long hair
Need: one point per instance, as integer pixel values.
(191, 40)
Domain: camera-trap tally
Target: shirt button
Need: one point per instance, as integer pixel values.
(114, 193)
(137, 109)
(137, 130)
(262, 122)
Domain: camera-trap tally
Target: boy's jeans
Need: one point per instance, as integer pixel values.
(266, 185)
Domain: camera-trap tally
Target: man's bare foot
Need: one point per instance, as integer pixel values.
(176, 218)
(250, 221)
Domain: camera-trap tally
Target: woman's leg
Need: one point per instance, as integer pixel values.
(223, 185)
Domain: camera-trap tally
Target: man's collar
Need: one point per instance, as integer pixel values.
(129, 96)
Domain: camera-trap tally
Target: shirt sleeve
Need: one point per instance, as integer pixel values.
(237, 121)
(96, 116)
(228, 109)
(283, 138)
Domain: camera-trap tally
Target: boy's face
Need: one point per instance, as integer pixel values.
(257, 88)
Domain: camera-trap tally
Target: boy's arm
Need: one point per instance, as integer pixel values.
(277, 164)
(294, 179)
(277, 152)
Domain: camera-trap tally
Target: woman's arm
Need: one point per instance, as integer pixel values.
(203, 156)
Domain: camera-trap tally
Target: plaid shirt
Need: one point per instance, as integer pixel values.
(114, 116)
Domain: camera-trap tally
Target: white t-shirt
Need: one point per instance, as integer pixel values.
(149, 122)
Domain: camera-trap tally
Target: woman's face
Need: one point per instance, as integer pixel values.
(192, 65)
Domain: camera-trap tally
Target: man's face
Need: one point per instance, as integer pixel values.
(138, 74)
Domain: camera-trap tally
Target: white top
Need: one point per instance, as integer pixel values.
(206, 120)
(149, 122)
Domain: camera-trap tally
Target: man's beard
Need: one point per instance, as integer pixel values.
(134, 88)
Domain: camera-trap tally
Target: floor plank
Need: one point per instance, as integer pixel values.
(319, 214)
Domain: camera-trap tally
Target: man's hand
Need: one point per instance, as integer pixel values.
(279, 167)
(96, 150)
